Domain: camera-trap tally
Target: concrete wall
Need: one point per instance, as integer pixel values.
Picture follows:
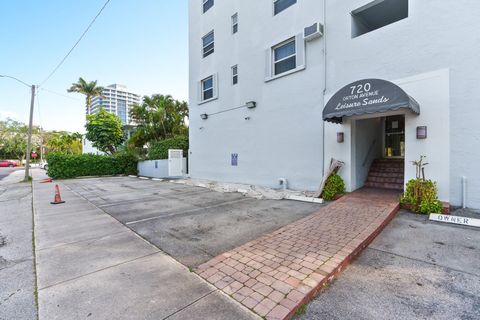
(283, 137)
(156, 168)
(436, 35)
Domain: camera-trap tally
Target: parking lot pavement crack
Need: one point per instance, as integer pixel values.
(187, 212)
(424, 261)
(190, 304)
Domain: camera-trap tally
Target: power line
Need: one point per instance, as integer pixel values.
(76, 43)
(60, 94)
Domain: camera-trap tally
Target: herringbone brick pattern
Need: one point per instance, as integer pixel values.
(276, 273)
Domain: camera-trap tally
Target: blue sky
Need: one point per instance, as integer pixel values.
(142, 44)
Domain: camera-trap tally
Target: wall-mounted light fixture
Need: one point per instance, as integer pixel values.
(251, 104)
(422, 132)
(204, 116)
(340, 137)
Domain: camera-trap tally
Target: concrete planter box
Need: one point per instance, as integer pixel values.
(157, 168)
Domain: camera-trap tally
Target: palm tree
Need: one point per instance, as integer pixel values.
(89, 89)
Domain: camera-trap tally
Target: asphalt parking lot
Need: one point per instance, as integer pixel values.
(415, 269)
(191, 224)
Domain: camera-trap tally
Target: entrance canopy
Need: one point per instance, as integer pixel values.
(366, 97)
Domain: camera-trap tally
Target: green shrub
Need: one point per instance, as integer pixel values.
(127, 162)
(333, 187)
(421, 196)
(65, 166)
(159, 150)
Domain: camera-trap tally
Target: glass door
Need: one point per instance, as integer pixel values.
(395, 137)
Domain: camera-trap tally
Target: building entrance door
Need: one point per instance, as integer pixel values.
(395, 137)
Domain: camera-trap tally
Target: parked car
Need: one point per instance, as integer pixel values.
(7, 163)
(44, 165)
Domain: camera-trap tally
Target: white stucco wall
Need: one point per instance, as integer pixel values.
(156, 168)
(436, 35)
(282, 139)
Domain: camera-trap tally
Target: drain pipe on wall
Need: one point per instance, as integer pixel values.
(464, 192)
(324, 78)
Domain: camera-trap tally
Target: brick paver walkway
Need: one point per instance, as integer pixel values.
(277, 273)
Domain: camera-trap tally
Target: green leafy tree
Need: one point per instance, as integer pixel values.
(13, 139)
(157, 118)
(105, 131)
(62, 142)
(89, 89)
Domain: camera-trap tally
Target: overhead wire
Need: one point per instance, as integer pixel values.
(75, 45)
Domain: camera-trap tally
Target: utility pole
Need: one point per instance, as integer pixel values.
(29, 140)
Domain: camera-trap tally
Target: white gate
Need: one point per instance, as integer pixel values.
(175, 163)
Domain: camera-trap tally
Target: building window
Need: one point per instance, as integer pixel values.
(207, 4)
(208, 44)
(207, 88)
(235, 23)
(378, 14)
(235, 74)
(284, 57)
(280, 5)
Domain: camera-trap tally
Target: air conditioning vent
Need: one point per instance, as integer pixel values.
(313, 32)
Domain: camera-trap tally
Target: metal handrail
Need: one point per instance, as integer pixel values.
(370, 149)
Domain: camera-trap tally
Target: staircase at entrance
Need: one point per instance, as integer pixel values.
(386, 174)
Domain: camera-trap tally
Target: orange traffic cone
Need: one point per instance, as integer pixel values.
(48, 180)
(58, 198)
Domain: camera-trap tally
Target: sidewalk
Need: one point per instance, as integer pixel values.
(277, 273)
(17, 270)
(91, 266)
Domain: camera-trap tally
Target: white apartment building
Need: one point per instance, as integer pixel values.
(116, 99)
(279, 87)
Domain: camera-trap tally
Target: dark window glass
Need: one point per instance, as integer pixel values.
(235, 23)
(280, 5)
(207, 4)
(284, 57)
(285, 65)
(234, 75)
(208, 44)
(207, 88)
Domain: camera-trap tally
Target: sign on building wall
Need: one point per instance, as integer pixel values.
(365, 97)
(234, 159)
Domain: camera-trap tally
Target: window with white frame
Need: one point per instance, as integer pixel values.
(208, 44)
(208, 88)
(284, 57)
(234, 74)
(207, 4)
(280, 5)
(235, 23)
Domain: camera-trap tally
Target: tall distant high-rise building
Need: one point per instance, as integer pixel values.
(117, 100)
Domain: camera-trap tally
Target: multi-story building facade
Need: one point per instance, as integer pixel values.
(279, 87)
(116, 99)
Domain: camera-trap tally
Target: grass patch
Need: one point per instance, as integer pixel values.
(300, 311)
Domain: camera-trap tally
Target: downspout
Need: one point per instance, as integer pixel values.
(324, 79)
(464, 192)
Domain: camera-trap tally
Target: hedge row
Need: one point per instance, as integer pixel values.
(64, 166)
(159, 150)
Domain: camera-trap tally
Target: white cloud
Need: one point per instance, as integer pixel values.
(8, 114)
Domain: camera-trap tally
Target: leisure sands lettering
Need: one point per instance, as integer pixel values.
(367, 96)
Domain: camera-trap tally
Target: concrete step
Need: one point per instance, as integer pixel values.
(398, 180)
(392, 186)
